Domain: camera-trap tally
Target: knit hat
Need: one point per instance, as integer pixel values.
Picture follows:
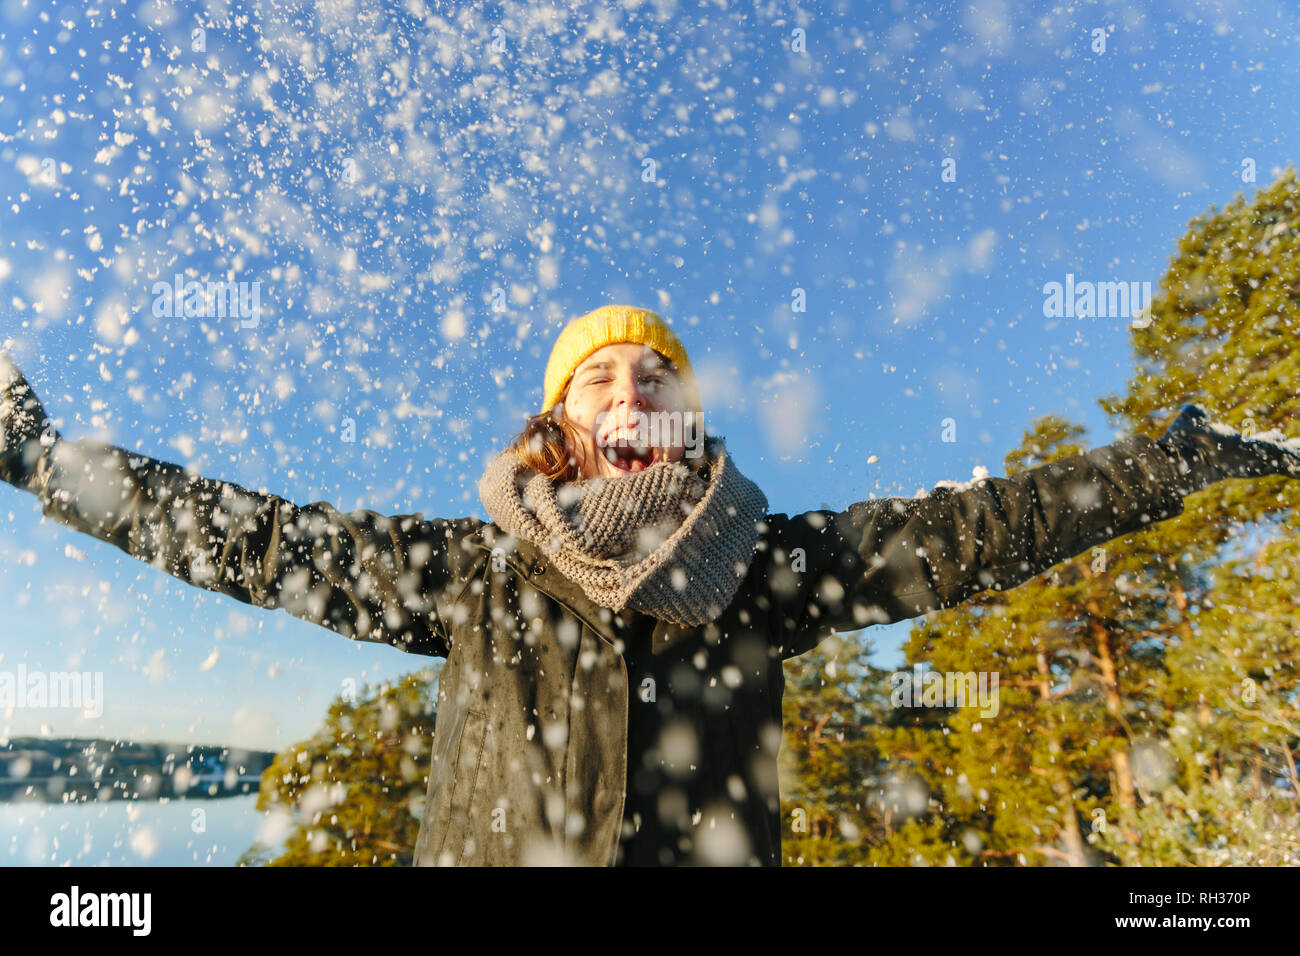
(608, 325)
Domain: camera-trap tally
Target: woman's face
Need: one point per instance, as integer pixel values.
(628, 406)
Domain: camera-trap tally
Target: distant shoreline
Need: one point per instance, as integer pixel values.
(44, 770)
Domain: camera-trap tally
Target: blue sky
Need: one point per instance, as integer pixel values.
(423, 210)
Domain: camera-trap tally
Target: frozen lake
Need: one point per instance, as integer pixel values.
(131, 833)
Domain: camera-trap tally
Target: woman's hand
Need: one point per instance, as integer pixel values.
(1204, 452)
(25, 430)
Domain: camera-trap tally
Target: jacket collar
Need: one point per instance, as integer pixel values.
(527, 560)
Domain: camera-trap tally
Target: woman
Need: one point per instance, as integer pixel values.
(614, 635)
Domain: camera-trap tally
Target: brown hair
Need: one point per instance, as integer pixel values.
(548, 444)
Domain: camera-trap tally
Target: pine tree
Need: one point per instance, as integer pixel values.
(1223, 333)
(1150, 689)
(1021, 785)
(828, 761)
(356, 789)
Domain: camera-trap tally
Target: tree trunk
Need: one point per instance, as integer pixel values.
(1070, 833)
(1204, 714)
(1114, 704)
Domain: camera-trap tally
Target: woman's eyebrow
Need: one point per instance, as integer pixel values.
(598, 366)
(657, 362)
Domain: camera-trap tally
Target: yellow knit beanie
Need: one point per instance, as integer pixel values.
(605, 326)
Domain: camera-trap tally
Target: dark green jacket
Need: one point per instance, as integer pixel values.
(543, 690)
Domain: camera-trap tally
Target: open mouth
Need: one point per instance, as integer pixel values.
(630, 457)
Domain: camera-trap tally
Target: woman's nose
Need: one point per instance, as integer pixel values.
(628, 391)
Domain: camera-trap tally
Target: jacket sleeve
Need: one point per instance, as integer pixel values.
(368, 576)
(895, 558)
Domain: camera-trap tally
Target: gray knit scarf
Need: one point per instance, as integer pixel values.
(663, 541)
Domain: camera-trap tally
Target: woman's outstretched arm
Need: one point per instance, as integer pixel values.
(365, 575)
(895, 558)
